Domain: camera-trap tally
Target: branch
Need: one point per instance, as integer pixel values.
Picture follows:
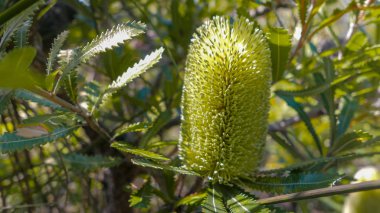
(91, 123)
(335, 190)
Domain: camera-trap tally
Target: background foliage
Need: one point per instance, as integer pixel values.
(83, 124)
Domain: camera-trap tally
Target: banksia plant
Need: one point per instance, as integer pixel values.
(225, 100)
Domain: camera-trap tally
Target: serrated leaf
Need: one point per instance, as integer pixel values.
(131, 73)
(141, 198)
(140, 152)
(349, 141)
(82, 162)
(302, 6)
(54, 51)
(305, 118)
(296, 182)
(17, 21)
(193, 199)
(14, 69)
(136, 127)
(111, 38)
(156, 165)
(10, 142)
(280, 45)
(231, 199)
(28, 96)
(21, 36)
(5, 99)
(54, 120)
(214, 202)
(107, 40)
(137, 69)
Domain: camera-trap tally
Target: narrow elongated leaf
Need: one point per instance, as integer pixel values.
(107, 40)
(82, 162)
(349, 141)
(54, 120)
(54, 51)
(316, 90)
(156, 165)
(293, 183)
(193, 199)
(280, 45)
(131, 73)
(28, 96)
(12, 25)
(315, 164)
(5, 99)
(140, 152)
(302, 6)
(10, 142)
(136, 127)
(21, 35)
(111, 38)
(346, 115)
(305, 118)
(137, 69)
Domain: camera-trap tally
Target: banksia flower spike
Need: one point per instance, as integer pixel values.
(225, 99)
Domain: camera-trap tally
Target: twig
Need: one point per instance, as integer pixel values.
(91, 123)
(343, 189)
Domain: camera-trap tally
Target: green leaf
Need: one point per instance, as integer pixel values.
(214, 202)
(191, 200)
(293, 183)
(21, 36)
(159, 123)
(357, 41)
(141, 198)
(54, 120)
(107, 40)
(280, 45)
(14, 69)
(136, 127)
(16, 21)
(71, 86)
(156, 165)
(11, 142)
(315, 90)
(305, 118)
(302, 6)
(314, 164)
(137, 69)
(55, 48)
(111, 38)
(28, 96)
(140, 152)
(131, 73)
(82, 162)
(349, 141)
(346, 115)
(5, 99)
(231, 199)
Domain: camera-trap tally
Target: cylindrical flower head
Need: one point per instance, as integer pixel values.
(225, 100)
